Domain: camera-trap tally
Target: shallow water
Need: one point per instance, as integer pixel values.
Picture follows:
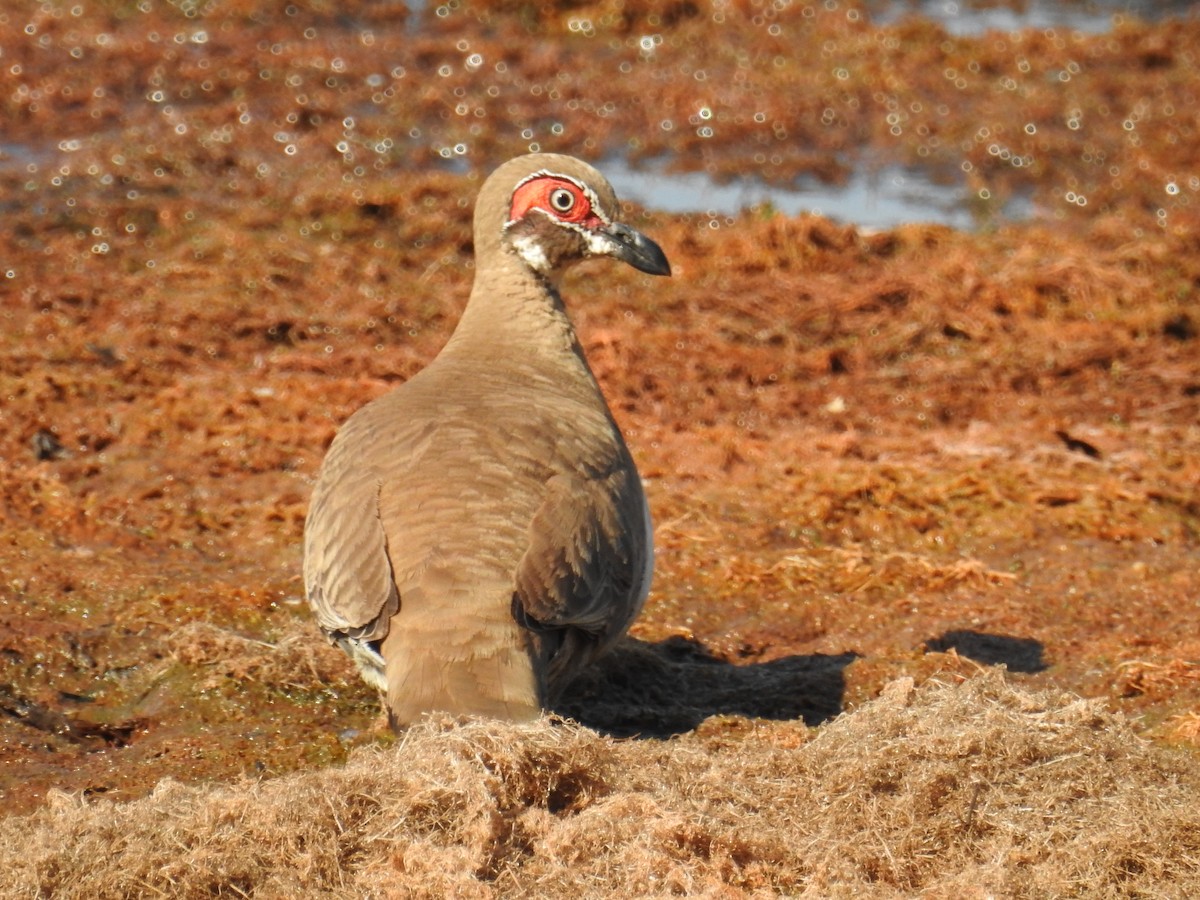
(879, 195)
(16, 156)
(872, 197)
(964, 18)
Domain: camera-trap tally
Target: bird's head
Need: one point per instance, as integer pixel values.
(552, 211)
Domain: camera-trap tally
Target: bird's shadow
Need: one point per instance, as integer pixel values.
(1017, 653)
(667, 688)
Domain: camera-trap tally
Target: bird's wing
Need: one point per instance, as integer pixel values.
(347, 572)
(586, 562)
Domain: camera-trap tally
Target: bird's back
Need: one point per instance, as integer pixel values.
(425, 511)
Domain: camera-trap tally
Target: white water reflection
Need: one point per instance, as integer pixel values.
(872, 197)
(964, 17)
(967, 17)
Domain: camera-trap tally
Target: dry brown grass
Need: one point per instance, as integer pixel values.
(298, 659)
(971, 789)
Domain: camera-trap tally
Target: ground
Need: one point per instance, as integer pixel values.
(918, 452)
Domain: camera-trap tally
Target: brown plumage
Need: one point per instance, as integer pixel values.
(479, 534)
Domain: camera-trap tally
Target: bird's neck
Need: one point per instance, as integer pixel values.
(514, 312)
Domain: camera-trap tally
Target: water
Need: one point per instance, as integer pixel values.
(972, 17)
(15, 157)
(872, 197)
(962, 17)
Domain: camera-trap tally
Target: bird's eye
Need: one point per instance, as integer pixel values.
(562, 200)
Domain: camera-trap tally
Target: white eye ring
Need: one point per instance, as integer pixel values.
(562, 200)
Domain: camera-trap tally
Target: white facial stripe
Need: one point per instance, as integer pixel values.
(593, 202)
(598, 244)
(531, 251)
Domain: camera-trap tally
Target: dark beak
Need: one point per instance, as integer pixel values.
(631, 246)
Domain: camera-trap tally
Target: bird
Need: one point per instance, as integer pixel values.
(479, 534)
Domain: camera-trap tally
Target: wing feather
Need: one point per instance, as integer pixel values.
(587, 555)
(347, 566)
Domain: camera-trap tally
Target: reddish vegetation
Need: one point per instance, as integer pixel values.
(868, 455)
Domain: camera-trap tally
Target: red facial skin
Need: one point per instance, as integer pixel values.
(536, 194)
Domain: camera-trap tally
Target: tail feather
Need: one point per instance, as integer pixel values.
(467, 664)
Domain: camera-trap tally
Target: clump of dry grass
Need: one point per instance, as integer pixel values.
(963, 790)
(298, 659)
(1140, 676)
